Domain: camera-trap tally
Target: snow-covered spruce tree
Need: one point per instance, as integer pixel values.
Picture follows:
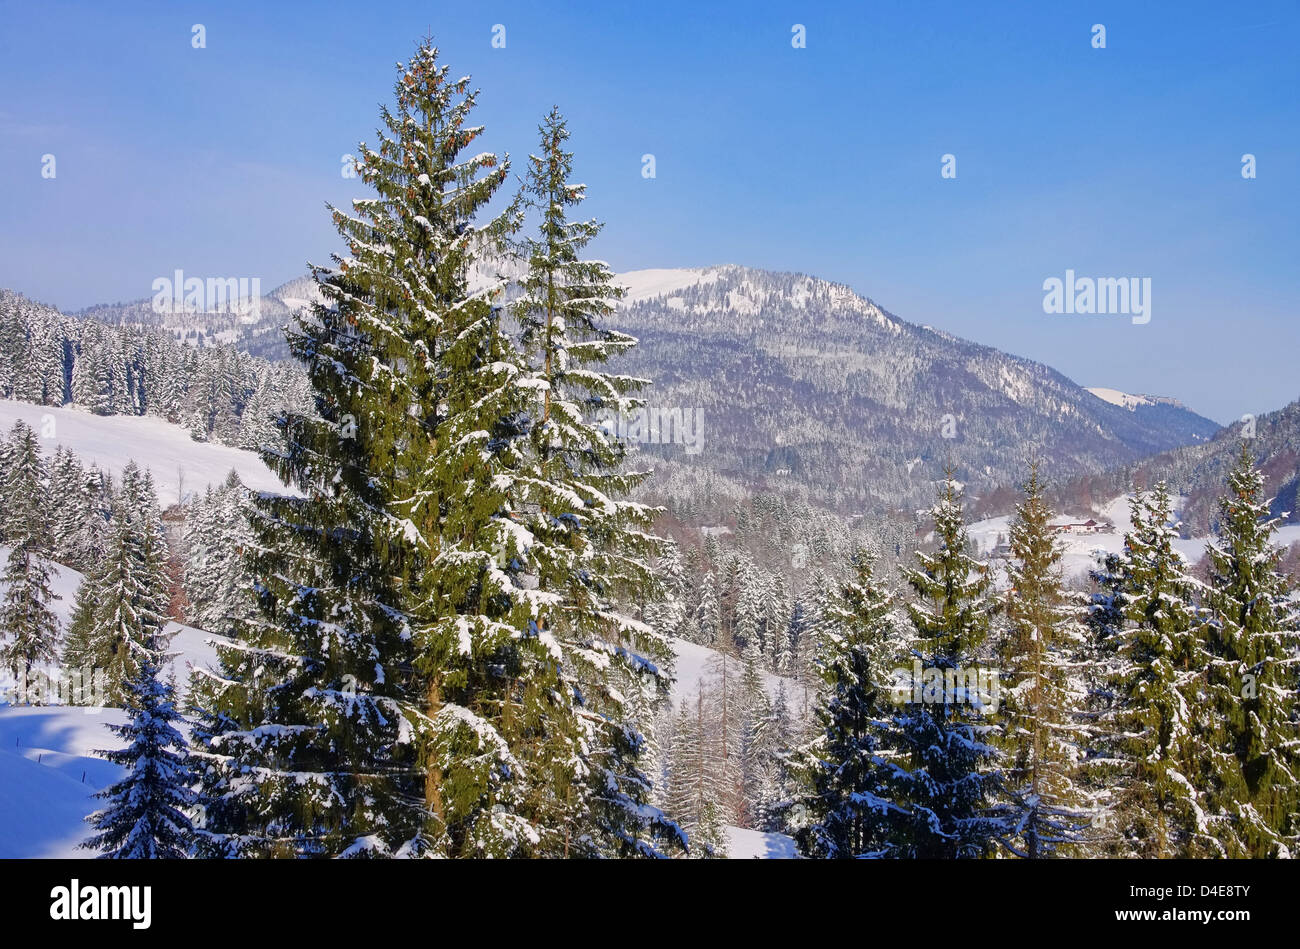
(144, 816)
(25, 489)
(696, 782)
(257, 420)
(79, 641)
(91, 383)
(754, 709)
(11, 335)
(1159, 661)
(39, 365)
(1040, 657)
(749, 613)
(28, 629)
(1250, 779)
(774, 787)
(777, 609)
(708, 617)
(216, 532)
(819, 599)
(667, 608)
(121, 605)
(200, 555)
(947, 777)
(343, 722)
(398, 694)
(1102, 769)
(847, 807)
(73, 511)
(586, 546)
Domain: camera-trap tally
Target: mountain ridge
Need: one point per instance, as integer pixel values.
(805, 385)
(914, 398)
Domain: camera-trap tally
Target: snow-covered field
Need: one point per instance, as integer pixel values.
(1081, 550)
(745, 844)
(48, 773)
(110, 441)
(695, 662)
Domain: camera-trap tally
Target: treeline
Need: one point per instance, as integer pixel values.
(218, 393)
(57, 510)
(1156, 718)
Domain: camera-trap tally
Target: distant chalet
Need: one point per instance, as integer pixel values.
(1089, 526)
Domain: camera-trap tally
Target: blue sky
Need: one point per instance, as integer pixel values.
(1123, 161)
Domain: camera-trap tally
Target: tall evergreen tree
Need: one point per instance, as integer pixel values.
(1250, 781)
(848, 807)
(586, 546)
(1159, 660)
(372, 657)
(28, 629)
(1045, 637)
(144, 817)
(948, 775)
(708, 613)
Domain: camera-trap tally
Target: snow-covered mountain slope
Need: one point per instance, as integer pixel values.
(800, 381)
(255, 328)
(1127, 400)
(1162, 412)
(640, 285)
(1199, 472)
(110, 441)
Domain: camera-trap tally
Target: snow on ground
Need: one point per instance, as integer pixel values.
(1123, 399)
(648, 284)
(47, 775)
(110, 441)
(745, 844)
(695, 662)
(48, 770)
(1081, 550)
